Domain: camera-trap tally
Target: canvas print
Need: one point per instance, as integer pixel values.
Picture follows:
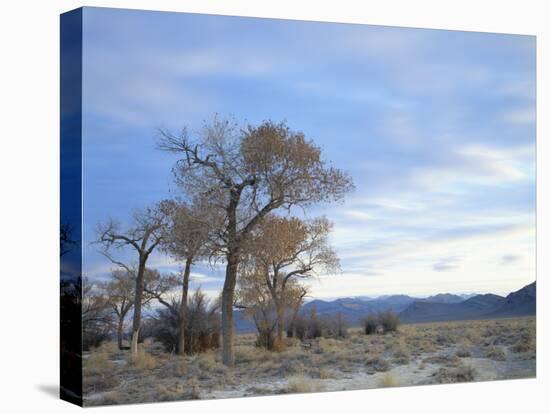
(264, 206)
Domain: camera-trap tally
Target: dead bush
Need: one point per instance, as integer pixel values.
(202, 328)
(142, 360)
(463, 352)
(381, 322)
(302, 384)
(377, 364)
(462, 373)
(495, 352)
(370, 323)
(98, 362)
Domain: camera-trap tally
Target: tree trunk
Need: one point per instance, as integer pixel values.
(292, 326)
(137, 307)
(228, 353)
(280, 321)
(183, 307)
(119, 330)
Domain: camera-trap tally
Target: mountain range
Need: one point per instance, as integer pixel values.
(437, 308)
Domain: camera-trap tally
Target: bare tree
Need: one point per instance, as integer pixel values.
(244, 175)
(97, 320)
(120, 292)
(66, 241)
(145, 234)
(282, 249)
(187, 240)
(295, 302)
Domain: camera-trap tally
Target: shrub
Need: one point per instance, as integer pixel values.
(98, 363)
(169, 392)
(265, 338)
(370, 323)
(401, 355)
(389, 321)
(377, 364)
(446, 360)
(142, 360)
(381, 322)
(109, 347)
(175, 366)
(328, 345)
(525, 343)
(301, 384)
(496, 353)
(463, 352)
(202, 328)
(449, 375)
(310, 326)
(335, 326)
(291, 367)
(245, 354)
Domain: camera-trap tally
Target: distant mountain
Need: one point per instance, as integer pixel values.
(242, 323)
(355, 309)
(444, 298)
(436, 308)
(465, 296)
(520, 303)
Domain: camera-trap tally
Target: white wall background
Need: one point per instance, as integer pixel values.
(29, 131)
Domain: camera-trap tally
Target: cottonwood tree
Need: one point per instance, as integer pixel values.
(254, 297)
(143, 236)
(244, 175)
(187, 240)
(120, 293)
(120, 296)
(284, 249)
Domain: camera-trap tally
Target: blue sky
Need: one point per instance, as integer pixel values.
(437, 129)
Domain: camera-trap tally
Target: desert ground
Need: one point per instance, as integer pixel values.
(433, 353)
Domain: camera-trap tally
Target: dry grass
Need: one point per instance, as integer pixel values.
(377, 363)
(302, 384)
(98, 370)
(495, 352)
(401, 354)
(142, 361)
(422, 353)
(463, 373)
(99, 362)
(463, 352)
(387, 381)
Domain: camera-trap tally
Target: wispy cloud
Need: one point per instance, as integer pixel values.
(436, 128)
(510, 259)
(447, 264)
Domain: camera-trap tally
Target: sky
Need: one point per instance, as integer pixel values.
(436, 128)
